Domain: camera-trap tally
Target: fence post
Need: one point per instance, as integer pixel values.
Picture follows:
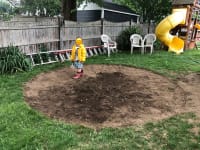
(102, 26)
(102, 20)
(130, 22)
(60, 24)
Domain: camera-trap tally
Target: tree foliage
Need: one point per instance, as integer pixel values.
(150, 10)
(6, 11)
(99, 2)
(41, 7)
(53, 7)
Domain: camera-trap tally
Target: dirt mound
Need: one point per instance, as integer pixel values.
(107, 96)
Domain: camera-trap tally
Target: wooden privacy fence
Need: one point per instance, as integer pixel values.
(30, 34)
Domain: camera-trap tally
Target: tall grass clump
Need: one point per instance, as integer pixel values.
(123, 40)
(12, 60)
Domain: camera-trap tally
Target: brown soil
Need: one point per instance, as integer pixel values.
(112, 96)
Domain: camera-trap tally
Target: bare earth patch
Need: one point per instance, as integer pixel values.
(112, 96)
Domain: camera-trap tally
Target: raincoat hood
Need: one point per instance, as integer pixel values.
(79, 41)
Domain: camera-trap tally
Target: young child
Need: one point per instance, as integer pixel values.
(78, 57)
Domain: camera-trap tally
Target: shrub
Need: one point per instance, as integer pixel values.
(12, 60)
(123, 40)
(158, 45)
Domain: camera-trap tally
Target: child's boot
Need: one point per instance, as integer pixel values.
(81, 72)
(78, 75)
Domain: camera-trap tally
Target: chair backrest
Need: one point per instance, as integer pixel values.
(136, 39)
(149, 39)
(105, 38)
(108, 42)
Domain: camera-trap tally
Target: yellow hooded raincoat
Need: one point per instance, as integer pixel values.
(81, 51)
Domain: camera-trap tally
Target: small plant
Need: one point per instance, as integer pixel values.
(44, 56)
(123, 39)
(12, 60)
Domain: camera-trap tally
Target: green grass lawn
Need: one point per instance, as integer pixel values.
(22, 128)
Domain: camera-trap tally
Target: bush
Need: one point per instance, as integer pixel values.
(12, 60)
(158, 45)
(123, 40)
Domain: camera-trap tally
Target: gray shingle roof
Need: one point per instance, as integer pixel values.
(183, 2)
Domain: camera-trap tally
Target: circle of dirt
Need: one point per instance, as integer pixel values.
(106, 96)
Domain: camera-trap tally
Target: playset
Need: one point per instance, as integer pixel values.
(179, 31)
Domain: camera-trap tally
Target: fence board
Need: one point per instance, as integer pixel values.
(89, 32)
(113, 29)
(30, 33)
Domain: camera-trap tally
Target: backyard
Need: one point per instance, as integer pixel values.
(122, 102)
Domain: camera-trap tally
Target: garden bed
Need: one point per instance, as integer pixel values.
(111, 96)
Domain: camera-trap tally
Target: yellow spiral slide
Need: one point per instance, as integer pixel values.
(174, 43)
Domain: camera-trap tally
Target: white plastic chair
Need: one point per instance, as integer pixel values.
(148, 41)
(108, 43)
(136, 41)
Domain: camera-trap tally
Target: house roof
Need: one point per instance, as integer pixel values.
(116, 7)
(112, 12)
(183, 2)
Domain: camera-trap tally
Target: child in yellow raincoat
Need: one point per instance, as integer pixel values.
(78, 57)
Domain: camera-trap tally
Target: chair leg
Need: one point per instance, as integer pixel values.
(151, 50)
(142, 50)
(131, 50)
(108, 51)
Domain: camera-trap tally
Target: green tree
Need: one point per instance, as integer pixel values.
(150, 10)
(66, 8)
(6, 11)
(41, 7)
